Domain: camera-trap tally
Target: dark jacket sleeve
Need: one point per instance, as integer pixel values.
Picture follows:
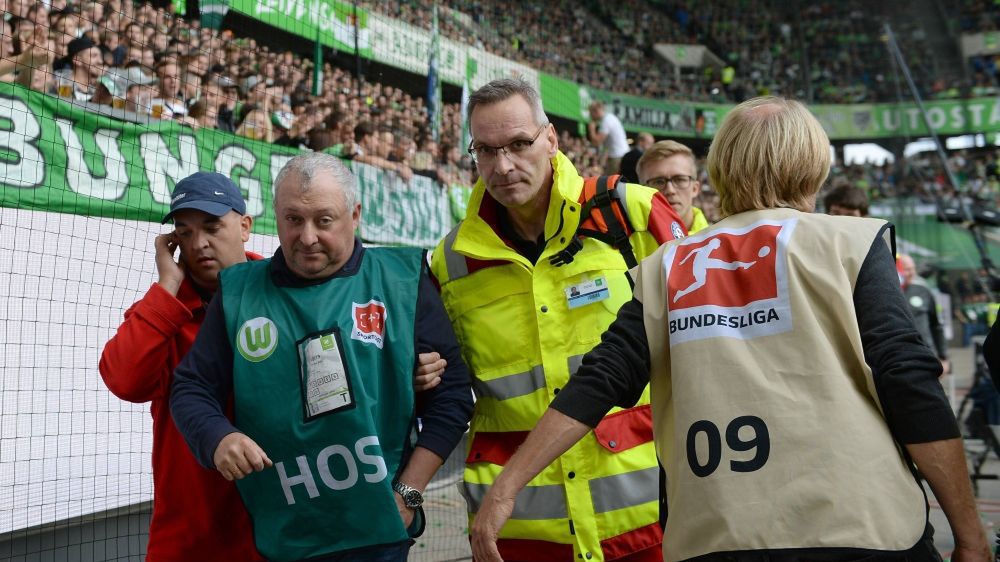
(937, 329)
(904, 369)
(614, 373)
(445, 410)
(991, 352)
(203, 382)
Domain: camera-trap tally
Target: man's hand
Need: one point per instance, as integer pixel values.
(404, 172)
(493, 513)
(237, 456)
(171, 272)
(430, 367)
(405, 513)
(945, 367)
(975, 554)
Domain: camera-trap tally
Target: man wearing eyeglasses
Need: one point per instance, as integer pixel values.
(525, 316)
(669, 168)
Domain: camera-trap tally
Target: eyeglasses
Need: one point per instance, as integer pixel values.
(679, 182)
(486, 153)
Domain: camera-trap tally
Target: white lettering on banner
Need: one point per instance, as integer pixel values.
(995, 114)
(890, 120)
(28, 168)
(316, 13)
(936, 117)
(232, 158)
(976, 110)
(160, 163)
(957, 117)
(305, 476)
(278, 162)
(914, 114)
(79, 176)
(416, 213)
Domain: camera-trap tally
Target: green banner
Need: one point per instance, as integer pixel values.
(950, 117)
(570, 100)
(333, 20)
(56, 156)
(841, 122)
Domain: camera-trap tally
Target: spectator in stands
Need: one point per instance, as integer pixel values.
(842, 341)
(114, 51)
(923, 309)
(628, 166)
(387, 143)
(312, 280)
(168, 74)
(27, 67)
(605, 130)
(298, 134)
(669, 167)
(255, 124)
(368, 148)
(212, 98)
(82, 68)
(846, 200)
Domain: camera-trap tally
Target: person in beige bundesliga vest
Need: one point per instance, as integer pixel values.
(792, 397)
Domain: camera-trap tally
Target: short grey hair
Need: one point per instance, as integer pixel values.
(504, 89)
(310, 165)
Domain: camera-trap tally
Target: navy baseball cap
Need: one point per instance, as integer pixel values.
(210, 192)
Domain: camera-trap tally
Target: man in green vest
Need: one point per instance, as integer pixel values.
(317, 346)
(669, 167)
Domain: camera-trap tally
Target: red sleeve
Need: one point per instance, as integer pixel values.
(138, 362)
(662, 218)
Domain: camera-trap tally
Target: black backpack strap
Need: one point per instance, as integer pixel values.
(619, 238)
(616, 236)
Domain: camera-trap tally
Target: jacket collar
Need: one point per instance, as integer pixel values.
(479, 234)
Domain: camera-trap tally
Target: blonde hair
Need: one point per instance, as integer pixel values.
(663, 150)
(769, 152)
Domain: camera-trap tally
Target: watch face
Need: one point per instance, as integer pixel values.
(413, 499)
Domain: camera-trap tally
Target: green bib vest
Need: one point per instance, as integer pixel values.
(337, 435)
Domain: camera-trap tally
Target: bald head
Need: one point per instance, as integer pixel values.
(907, 268)
(644, 141)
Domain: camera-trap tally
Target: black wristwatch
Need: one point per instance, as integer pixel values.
(412, 498)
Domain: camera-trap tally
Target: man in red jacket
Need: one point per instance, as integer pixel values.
(197, 514)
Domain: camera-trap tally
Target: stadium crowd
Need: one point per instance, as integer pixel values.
(144, 59)
(837, 54)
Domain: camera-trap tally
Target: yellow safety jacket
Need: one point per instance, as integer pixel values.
(524, 329)
(698, 221)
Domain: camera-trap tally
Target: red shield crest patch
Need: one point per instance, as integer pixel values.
(369, 323)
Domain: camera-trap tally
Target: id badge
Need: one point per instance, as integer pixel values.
(587, 292)
(326, 385)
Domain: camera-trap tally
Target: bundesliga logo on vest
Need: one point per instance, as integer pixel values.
(733, 283)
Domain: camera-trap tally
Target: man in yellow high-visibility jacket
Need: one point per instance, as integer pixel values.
(669, 167)
(528, 296)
